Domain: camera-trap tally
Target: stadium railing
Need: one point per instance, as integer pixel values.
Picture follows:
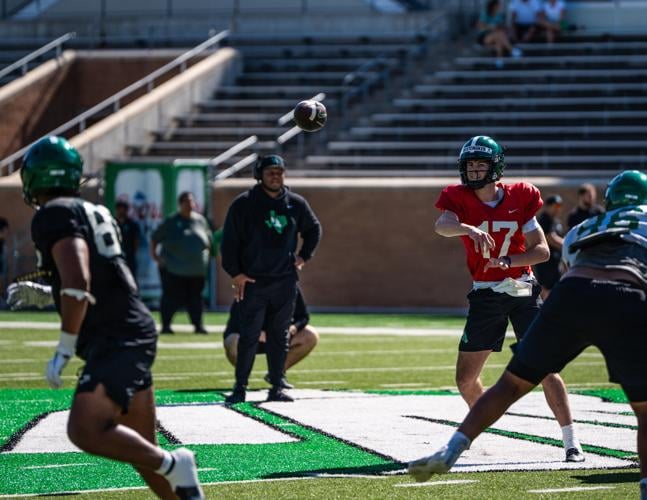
(7, 165)
(23, 64)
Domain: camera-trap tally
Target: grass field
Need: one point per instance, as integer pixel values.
(362, 381)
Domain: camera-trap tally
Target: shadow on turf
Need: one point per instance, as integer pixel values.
(610, 477)
(370, 470)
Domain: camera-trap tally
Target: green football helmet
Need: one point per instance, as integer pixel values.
(51, 164)
(626, 188)
(481, 147)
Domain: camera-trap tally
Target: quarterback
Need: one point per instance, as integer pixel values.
(601, 301)
(502, 239)
(103, 321)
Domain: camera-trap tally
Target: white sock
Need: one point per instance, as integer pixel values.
(568, 436)
(167, 464)
(459, 441)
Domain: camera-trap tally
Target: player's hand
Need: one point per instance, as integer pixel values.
(29, 294)
(239, 285)
(483, 242)
(497, 264)
(292, 330)
(299, 263)
(62, 356)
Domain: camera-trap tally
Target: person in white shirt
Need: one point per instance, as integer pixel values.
(552, 18)
(524, 16)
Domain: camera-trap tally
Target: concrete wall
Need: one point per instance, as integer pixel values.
(379, 248)
(132, 125)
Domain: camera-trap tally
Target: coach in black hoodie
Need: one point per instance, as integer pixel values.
(259, 252)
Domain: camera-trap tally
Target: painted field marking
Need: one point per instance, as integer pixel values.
(575, 488)
(436, 483)
(57, 466)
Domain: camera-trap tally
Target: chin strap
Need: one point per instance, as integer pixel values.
(79, 295)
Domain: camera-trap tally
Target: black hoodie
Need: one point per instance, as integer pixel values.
(260, 234)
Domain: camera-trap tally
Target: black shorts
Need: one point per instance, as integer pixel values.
(123, 366)
(611, 315)
(261, 345)
(487, 319)
(547, 273)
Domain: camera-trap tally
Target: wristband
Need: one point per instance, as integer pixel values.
(67, 344)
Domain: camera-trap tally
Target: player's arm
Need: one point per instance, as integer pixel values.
(554, 240)
(449, 225)
(72, 259)
(537, 251)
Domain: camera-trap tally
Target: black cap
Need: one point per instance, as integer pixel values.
(265, 162)
(554, 199)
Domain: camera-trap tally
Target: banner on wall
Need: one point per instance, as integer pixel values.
(152, 190)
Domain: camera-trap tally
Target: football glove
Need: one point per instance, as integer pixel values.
(29, 294)
(62, 356)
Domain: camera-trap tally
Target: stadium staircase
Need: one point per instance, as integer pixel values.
(580, 103)
(279, 71)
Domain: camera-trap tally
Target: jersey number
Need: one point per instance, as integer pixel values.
(500, 225)
(105, 230)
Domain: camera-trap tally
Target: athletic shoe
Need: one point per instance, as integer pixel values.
(516, 52)
(574, 455)
(278, 394)
(236, 396)
(201, 330)
(438, 463)
(283, 383)
(166, 330)
(183, 476)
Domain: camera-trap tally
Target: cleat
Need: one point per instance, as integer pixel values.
(574, 455)
(183, 476)
(166, 331)
(236, 396)
(201, 330)
(438, 463)
(278, 394)
(283, 383)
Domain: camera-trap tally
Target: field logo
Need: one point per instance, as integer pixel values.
(323, 432)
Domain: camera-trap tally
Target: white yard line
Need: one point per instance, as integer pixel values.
(575, 488)
(436, 483)
(56, 466)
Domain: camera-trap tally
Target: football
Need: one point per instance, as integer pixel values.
(310, 115)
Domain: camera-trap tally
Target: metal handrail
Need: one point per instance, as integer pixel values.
(22, 63)
(114, 100)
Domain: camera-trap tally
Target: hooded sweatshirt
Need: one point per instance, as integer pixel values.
(260, 234)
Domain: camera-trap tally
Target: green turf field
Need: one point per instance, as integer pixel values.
(360, 395)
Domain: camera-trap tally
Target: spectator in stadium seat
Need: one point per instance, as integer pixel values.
(130, 235)
(4, 231)
(600, 301)
(586, 205)
(553, 19)
(497, 225)
(259, 252)
(548, 272)
(492, 32)
(524, 16)
(303, 337)
(186, 241)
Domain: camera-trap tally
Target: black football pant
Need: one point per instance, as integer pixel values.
(268, 304)
(178, 291)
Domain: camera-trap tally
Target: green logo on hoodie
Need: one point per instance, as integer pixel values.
(276, 222)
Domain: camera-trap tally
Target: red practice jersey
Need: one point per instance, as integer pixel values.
(504, 223)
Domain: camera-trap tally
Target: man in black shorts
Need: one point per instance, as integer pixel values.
(303, 337)
(548, 272)
(103, 320)
(600, 301)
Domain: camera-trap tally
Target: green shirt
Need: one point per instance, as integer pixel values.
(186, 244)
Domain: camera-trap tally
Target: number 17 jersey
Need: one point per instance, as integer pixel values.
(504, 223)
(118, 311)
